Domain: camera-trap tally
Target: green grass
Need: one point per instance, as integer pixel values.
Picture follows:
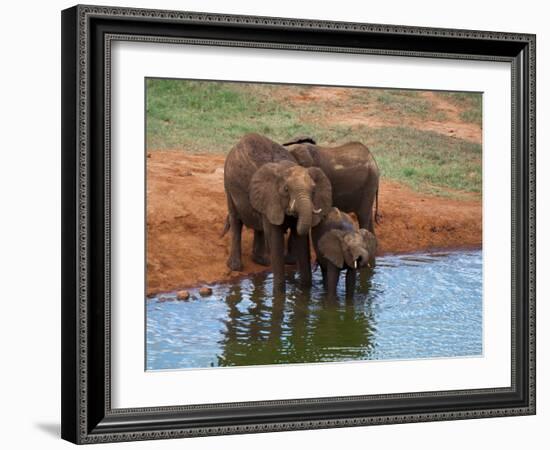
(471, 103)
(209, 117)
(425, 160)
(397, 103)
(403, 103)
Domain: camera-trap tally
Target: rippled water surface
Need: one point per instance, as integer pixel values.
(407, 307)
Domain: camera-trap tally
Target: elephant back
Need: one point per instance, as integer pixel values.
(250, 153)
(260, 150)
(346, 156)
(334, 220)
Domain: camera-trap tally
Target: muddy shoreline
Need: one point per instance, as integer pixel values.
(186, 210)
(236, 276)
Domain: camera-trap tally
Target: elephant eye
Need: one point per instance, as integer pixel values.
(285, 188)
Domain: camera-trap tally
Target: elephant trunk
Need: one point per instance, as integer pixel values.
(304, 209)
(363, 257)
(356, 257)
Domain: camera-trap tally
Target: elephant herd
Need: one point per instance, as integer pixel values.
(305, 188)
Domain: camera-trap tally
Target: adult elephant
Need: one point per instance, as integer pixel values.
(352, 171)
(269, 192)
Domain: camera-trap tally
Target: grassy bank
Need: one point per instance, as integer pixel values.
(209, 117)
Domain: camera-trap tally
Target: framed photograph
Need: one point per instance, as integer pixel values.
(281, 224)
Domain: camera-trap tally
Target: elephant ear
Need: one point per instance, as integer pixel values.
(303, 155)
(322, 195)
(370, 241)
(300, 140)
(264, 193)
(331, 247)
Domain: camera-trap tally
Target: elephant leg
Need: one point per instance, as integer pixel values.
(234, 262)
(324, 275)
(276, 240)
(301, 249)
(333, 273)
(290, 257)
(350, 282)
(259, 251)
(364, 279)
(365, 215)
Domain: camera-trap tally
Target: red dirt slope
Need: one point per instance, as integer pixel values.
(186, 211)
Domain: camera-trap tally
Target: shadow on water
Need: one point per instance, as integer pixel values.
(302, 326)
(408, 306)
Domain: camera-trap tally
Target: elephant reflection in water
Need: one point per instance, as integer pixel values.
(251, 337)
(297, 331)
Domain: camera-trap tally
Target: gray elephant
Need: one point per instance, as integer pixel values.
(352, 171)
(339, 245)
(269, 192)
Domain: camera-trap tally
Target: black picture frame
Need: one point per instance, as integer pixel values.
(87, 416)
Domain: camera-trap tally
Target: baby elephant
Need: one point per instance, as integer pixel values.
(339, 245)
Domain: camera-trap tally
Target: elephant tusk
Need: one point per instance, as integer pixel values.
(317, 211)
(355, 264)
(292, 205)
